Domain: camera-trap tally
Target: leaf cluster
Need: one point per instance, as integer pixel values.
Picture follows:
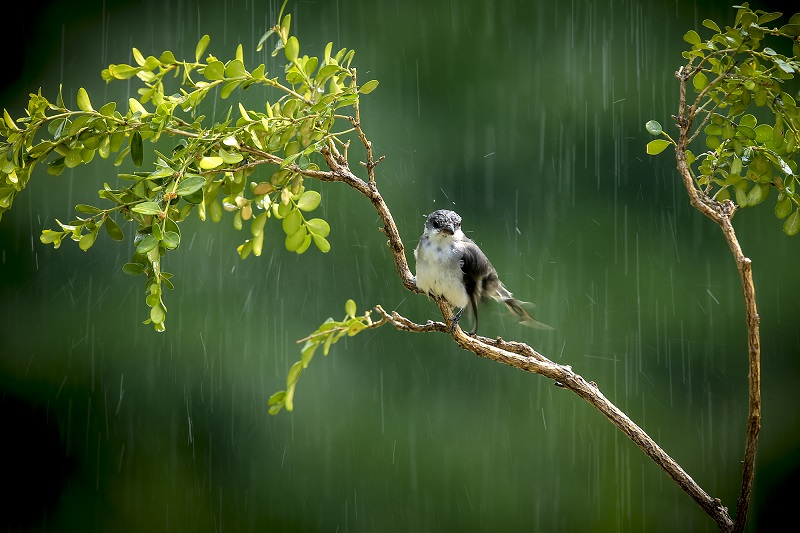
(208, 167)
(327, 334)
(746, 112)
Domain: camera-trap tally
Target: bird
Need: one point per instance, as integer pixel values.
(450, 265)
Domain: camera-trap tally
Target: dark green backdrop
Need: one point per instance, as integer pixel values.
(525, 117)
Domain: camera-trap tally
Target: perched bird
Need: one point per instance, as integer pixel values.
(450, 264)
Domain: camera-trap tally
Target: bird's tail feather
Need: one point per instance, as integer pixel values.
(525, 318)
(516, 307)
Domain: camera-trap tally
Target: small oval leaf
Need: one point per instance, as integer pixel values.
(657, 146)
(309, 201)
(653, 127)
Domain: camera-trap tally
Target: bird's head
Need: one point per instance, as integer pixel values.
(443, 223)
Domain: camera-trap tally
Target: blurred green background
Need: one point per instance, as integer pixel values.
(525, 117)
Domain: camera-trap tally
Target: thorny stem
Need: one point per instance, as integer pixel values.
(515, 354)
(722, 213)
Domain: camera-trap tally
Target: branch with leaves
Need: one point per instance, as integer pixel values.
(732, 72)
(305, 134)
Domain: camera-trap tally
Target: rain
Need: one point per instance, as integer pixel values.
(527, 118)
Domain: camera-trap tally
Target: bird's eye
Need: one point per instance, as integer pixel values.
(436, 224)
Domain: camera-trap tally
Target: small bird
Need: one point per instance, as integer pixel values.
(451, 265)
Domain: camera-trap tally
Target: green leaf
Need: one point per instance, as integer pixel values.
(304, 245)
(292, 49)
(763, 133)
(214, 71)
(190, 185)
(322, 243)
(792, 224)
(783, 207)
(292, 222)
(318, 227)
(87, 241)
(295, 240)
(235, 69)
(157, 314)
(133, 269)
(210, 162)
(653, 127)
(147, 208)
(201, 47)
(230, 158)
(692, 37)
(657, 146)
(768, 17)
(171, 240)
(758, 193)
(83, 100)
(137, 150)
(49, 236)
(244, 249)
(790, 29)
(700, 81)
(147, 244)
(741, 197)
(309, 201)
(368, 87)
(113, 229)
(83, 208)
(711, 25)
(350, 308)
(277, 398)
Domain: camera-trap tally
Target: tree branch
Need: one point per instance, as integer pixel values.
(514, 354)
(722, 213)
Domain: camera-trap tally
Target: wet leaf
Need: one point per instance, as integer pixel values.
(201, 47)
(113, 229)
(653, 127)
(309, 201)
(147, 208)
(214, 71)
(133, 269)
(350, 308)
(147, 244)
(692, 37)
(783, 207)
(657, 146)
(368, 87)
(792, 224)
(157, 314)
(295, 240)
(137, 150)
(700, 81)
(292, 222)
(210, 162)
(318, 227)
(292, 49)
(322, 243)
(190, 185)
(87, 241)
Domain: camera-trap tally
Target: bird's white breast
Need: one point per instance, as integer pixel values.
(439, 268)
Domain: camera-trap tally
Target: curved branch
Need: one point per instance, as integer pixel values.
(515, 354)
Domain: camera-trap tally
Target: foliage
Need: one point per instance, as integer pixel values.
(744, 108)
(328, 333)
(207, 166)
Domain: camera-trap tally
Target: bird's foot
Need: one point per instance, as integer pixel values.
(456, 318)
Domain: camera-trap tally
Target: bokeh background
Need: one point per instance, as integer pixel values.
(525, 117)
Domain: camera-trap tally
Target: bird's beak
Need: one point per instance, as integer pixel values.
(448, 229)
